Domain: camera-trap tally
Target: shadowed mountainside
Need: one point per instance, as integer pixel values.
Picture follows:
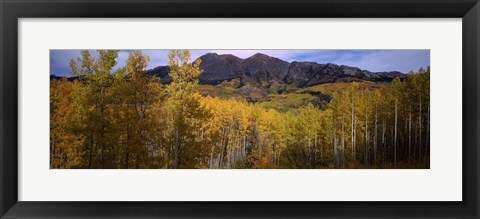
(260, 69)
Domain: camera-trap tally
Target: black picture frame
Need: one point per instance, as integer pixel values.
(11, 11)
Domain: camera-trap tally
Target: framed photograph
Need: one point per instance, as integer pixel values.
(255, 109)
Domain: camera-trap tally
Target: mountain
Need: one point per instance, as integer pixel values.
(261, 69)
(54, 77)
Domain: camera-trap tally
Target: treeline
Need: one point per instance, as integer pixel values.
(126, 119)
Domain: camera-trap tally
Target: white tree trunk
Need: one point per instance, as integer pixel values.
(427, 137)
(420, 128)
(315, 151)
(353, 130)
(375, 140)
(335, 142)
(343, 139)
(383, 142)
(366, 134)
(395, 139)
(409, 136)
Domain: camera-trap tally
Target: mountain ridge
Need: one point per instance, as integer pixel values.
(262, 70)
(259, 69)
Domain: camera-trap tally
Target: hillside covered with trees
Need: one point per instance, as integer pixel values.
(131, 118)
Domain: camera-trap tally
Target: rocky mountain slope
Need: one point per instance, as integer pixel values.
(263, 70)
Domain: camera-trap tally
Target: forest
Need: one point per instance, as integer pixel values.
(102, 118)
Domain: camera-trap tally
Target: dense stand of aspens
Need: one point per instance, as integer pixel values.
(124, 119)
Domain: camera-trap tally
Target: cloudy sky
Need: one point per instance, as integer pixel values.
(372, 60)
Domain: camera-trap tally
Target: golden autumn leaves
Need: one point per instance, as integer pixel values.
(127, 119)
